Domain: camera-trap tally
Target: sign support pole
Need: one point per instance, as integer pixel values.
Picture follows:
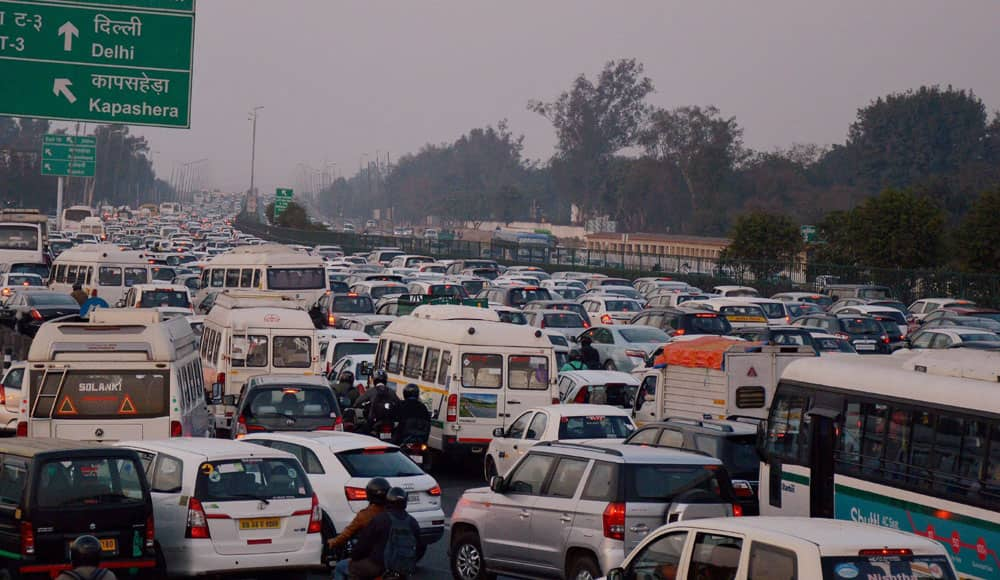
(59, 203)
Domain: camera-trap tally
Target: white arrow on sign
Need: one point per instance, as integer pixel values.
(61, 87)
(68, 31)
(48, 152)
(48, 167)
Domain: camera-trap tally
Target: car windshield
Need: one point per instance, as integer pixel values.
(521, 296)
(378, 462)
(40, 269)
(380, 291)
(251, 479)
(24, 280)
(772, 309)
(661, 483)
(291, 401)
(977, 322)
(861, 326)
(880, 567)
(157, 298)
(89, 481)
(983, 337)
(563, 320)
(52, 299)
(353, 305)
(643, 335)
(595, 427)
(622, 306)
(833, 345)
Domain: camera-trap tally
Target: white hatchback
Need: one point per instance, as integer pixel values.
(340, 465)
(221, 505)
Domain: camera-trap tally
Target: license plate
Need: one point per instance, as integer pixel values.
(260, 524)
(864, 346)
(745, 319)
(109, 544)
(385, 436)
(418, 459)
(413, 498)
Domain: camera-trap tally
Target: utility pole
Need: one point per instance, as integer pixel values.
(253, 146)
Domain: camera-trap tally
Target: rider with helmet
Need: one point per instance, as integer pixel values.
(376, 492)
(575, 362)
(345, 387)
(412, 419)
(390, 546)
(381, 400)
(85, 555)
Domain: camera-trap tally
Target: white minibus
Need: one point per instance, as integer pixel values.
(104, 267)
(72, 217)
(474, 375)
(124, 374)
(273, 268)
(247, 334)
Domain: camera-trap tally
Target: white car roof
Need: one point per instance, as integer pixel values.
(336, 441)
(956, 331)
(155, 287)
(206, 449)
(600, 377)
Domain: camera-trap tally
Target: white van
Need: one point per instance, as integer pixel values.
(273, 268)
(249, 334)
(473, 375)
(104, 267)
(124, 374)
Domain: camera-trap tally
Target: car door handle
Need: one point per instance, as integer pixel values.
(514, 402)
(565, 518)
(525, 514)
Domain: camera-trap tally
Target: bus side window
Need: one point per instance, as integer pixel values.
(256, 278)
(246, 278)
(232, 278)
(787, 435)
(204, 279)
(445, 368)
(394, 360)
(218, 276)
(431, 364)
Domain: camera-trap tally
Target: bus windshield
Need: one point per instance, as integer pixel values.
(19, 238)
(85, 394)
(296, 279)
(76, 215)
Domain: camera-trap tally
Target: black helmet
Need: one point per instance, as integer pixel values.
(396, 499)
(376, 490)
(346, 377)
(586, 340)
(85, 551)
(411, 391)
(380, 376)
(575, 354)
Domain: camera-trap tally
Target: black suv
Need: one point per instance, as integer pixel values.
(733, 442)
(865, 333)
(680, 321)
(778, 335)
(326, 312)
(53, 491)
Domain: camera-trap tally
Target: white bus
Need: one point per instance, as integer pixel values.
(474, 375)
(123, 375)
(73, 216)
(104, 267)
(909, 442)
(23, 235)
(272, 268)
(170, 208)
(247, 334)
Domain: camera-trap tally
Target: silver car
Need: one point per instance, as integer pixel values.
(624, 347)
(574, 511)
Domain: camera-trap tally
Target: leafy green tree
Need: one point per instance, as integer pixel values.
(979, 237)
(763, 243)
(294, 216)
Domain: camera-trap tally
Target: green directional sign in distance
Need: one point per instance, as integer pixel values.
(282, 197)
(69, 155)
(123, 62)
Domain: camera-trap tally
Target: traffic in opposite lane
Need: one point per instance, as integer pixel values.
(230, 408)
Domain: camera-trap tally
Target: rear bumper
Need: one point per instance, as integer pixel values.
(465, 446)
(198, 557)
(53, 570)
(429, 536)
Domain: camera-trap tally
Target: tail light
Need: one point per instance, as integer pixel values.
(680, 332)
(842, 335)
(22, 429)
(241, 427)
(220, 378)
(176, 429)
(742, 488)
(586, 324)
(636, 354)
(331, 320)
(197, 523)
(356, 494)
(605, 319)
(338, 425)
(555, 400)
(3, 396)
(329, 367)
(35, 314)
(737, 510)
(435, 491)
(452, 413)
(885, 339)
(614, 521)
(315, 517)
(27, 539)
(543, 323)
(150, 533)
(886, 552)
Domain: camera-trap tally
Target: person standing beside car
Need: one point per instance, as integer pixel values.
(591, 357)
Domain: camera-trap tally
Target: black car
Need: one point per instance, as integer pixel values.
(571, 305)
(287, 403)
(733, 442)
(27, 310)
(778, 335)
(55, 490)
(327, 310)
(680, 321)
(867, 335)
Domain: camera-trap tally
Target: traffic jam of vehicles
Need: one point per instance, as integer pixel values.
(205, 402)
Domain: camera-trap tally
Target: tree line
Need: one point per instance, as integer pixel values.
(932, 151)
(124, 173)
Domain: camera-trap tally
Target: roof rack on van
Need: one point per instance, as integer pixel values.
(606, 450)
(251, 299)
(707, 424)
(125, 316)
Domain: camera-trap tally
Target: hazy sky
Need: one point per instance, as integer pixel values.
(341, 78)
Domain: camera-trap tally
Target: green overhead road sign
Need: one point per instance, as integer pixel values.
(282, 197)
(108, 61)
(69, 155)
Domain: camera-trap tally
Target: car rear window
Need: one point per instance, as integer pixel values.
(15, 280)
(988, 337)
(251, 479)
(381, 291)
(887, 567)
(443, 290)
(833, 345)
(772, 310)
(157, 298)
(622, 306)
(742, 312)
(567, 320)
(378, 462)
(894, 314)
(595, 427)
(52, 299)
(664, 482)
(89, 481)
(644, 335)
(861, 326)
(342, 349)
(299, 402)
(525, 295)
(353, 305)
(708, 324)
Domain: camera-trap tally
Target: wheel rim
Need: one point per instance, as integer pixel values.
(584, 575)
(468, 562)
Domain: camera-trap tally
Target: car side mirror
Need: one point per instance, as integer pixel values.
(497, 484)
(616, 574)
(574, 339)
(229, 400)
(499, 432)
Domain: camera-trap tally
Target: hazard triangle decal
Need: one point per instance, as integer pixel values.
(752, 372)
(66, 407)
(127, 407)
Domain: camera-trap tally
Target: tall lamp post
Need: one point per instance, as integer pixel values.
(253, 146)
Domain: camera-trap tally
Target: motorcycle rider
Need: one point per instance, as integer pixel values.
(412, 419)
(376, 492)
(393, 528)
(345, 387)
(591, 357)
(575, 362)
(85, 556)
(377, 403)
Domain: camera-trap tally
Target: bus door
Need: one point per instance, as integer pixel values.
(529, 384)
(823, 440)
(482, 398)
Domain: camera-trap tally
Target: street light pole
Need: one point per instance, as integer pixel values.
(253, 146)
